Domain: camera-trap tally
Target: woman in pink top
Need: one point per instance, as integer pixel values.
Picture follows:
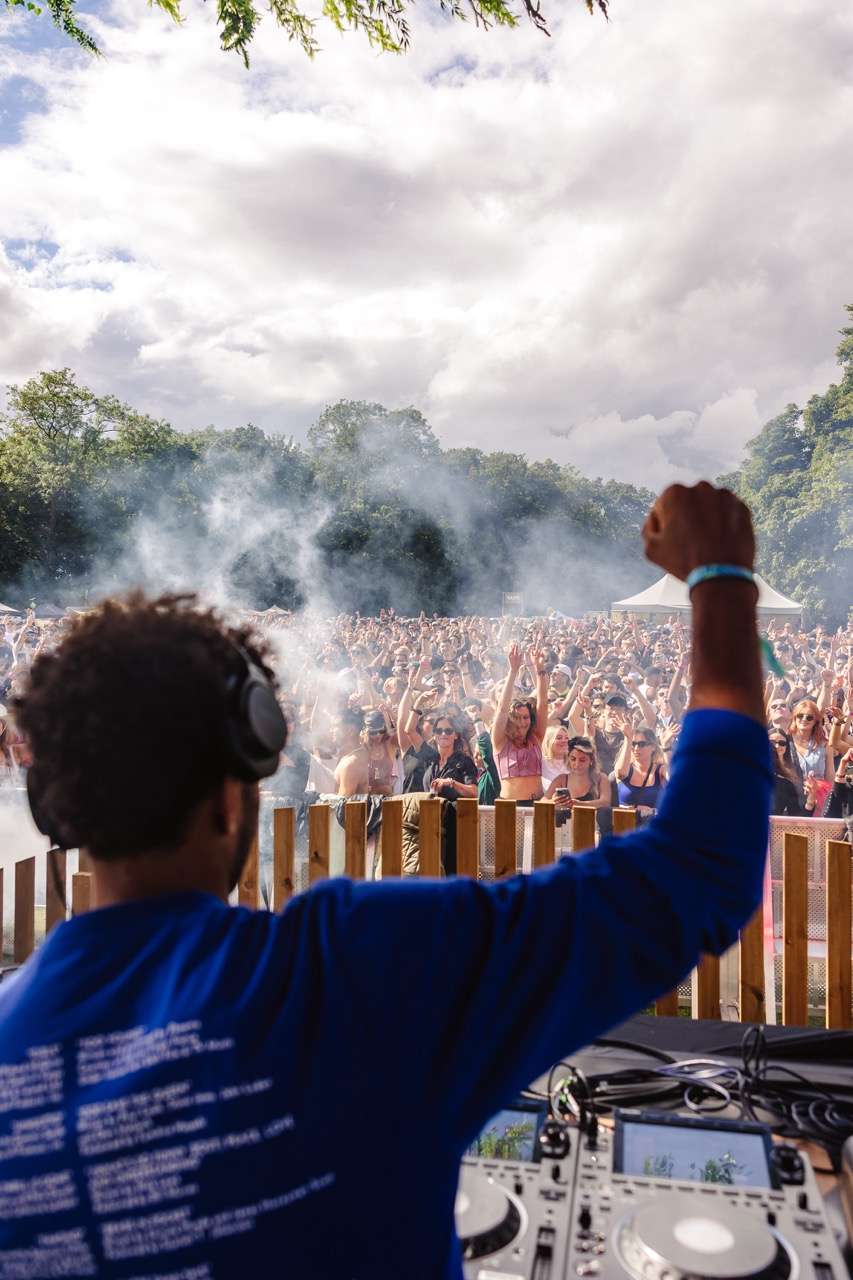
(518, 728)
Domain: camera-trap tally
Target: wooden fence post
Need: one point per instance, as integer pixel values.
(81, 892)
(544, 833)
(795, 851)
(248, 888)
(429, 834)
(838, 929)
(624, 820)
(666, 1006)
(583, 827)
(751, 993)
(707, 987)
(468, 837)
(55, 909)
(283, 853)
(392, 837)
(504, 838)
(25, 908)
(319, 836)
(355, 833)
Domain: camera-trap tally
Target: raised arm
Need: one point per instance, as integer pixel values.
(405, 736)
(650, 716)
(514, 660)
(536, 662)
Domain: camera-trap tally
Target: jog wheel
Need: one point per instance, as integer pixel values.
(487, 1215)
(676, 1237)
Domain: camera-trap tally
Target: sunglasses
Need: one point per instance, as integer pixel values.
(776, 743)
(376, 733)
(638, 743)
(445, 733)
(802, 715)
(778, 706)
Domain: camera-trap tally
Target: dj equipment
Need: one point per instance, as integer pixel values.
(660, 1197)
(254, 735)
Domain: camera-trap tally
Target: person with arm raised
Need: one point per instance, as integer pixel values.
(517, 727)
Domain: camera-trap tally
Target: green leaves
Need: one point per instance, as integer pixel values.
(798, 480)
(383, 22)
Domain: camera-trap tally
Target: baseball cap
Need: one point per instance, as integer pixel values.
(561, 667)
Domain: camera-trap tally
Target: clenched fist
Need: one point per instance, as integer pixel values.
(700, 525)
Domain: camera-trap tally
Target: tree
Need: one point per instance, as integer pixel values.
(798, 480)
(384, 22)
(51, 450)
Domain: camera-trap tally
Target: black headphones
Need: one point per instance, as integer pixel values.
(255, 733)
(255, 727)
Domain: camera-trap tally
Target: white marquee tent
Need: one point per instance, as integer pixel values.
(670, 595)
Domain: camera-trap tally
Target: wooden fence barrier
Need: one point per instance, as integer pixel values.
(752, 996)
(391, 836)
(583, 827)
(839, 989)
(430, 836)
(544, 833)
(795, 887)
(467, 837)
(319, 829)
(283, 857)
(56, 890)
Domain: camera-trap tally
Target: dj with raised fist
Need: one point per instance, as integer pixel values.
(189, 1089)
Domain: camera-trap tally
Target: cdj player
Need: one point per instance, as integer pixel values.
(661, 1196)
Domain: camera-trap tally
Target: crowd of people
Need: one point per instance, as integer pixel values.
(573, 710)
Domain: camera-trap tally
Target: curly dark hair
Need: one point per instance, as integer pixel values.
(125, 720)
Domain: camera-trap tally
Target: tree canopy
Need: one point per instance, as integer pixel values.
(798, 479)
(373, 513)
(383, 22)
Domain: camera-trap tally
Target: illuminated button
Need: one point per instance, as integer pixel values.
(590, 1268)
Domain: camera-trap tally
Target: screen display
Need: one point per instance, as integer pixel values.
(510, 1135)
(694, 1154)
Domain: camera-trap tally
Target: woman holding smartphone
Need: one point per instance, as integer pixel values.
(583, 782)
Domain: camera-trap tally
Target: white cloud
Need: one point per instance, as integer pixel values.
(622, 246)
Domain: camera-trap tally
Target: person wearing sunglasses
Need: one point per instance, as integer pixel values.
(779, 714)
(640, 777)
(810, 755)
(384, 768)
(451, 775)
(454, 773)
(787, 785)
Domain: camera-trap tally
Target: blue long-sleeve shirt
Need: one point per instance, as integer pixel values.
(192, 1090)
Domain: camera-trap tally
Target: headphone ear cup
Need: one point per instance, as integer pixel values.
(256, 730)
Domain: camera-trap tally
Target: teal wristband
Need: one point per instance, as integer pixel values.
(706, 572)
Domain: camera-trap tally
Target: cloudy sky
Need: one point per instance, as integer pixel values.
(624, 247)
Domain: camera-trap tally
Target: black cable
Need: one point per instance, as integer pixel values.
(767, 1092)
